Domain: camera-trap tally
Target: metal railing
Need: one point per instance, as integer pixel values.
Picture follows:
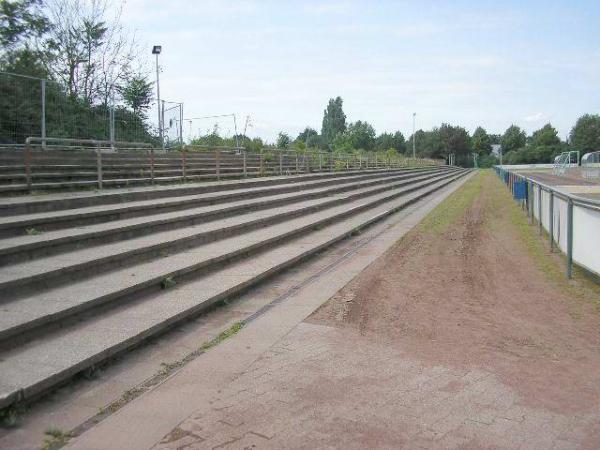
(123, 163)
(571, 221)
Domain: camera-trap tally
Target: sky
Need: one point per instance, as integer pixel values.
(467, 63)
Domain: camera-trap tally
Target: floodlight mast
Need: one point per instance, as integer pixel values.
(156, 50)
(413, 136)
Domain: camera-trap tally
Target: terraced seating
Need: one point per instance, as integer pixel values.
(103, 272)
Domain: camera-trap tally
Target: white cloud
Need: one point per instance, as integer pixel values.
(537, 117)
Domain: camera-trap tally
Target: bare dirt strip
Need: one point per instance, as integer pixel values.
(463, 335)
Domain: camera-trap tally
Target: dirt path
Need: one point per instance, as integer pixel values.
(458, 337)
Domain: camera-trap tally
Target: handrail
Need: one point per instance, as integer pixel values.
(94, 142)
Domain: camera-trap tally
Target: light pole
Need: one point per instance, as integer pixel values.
(156, 51)
(414, 137)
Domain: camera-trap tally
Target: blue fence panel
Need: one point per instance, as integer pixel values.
(520, 190)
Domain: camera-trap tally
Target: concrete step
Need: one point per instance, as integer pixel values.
(73, 200)
(17, 225)
(121, 283)
(57, 354)
(86, 260)
(22, 248)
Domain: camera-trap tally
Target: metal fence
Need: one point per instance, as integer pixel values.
(32, 106)
(74, 163)
(571, 221)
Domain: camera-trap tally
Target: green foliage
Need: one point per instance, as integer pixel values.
(481, 142)
(137, 93)
(388, 140)
(585, 135)
(513, 139)
(544, 137)
(20, 21)
(283, 140)
(334, 120)
(487, 161)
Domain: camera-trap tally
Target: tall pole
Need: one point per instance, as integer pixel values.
(160, 124)
(44, 114)
(413, 136)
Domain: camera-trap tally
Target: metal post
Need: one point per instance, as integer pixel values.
(152, 165)
(27, 163)
(540, 208)
(280, 163)
(218, 164)
(331, 162)
(237, 139)
(297, 167)
(99, 165)
(111, 120)
(320, 162)
(158, 106)
(183, 171)
(44, 114)
(570, 238)
(245, 169)
(376, 165)
(413, 136)
(162, 125)
(181, 125)
(551, 221)
(261, 163)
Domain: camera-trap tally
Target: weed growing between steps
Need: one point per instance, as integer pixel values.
(32, 232)
(57, 438)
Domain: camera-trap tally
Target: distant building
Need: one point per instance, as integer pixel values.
(496, 149)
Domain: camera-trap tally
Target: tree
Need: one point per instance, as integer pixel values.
(90, 54)
(20, 21)
(544, 137)
(513, 139)
(309, 137)
(455, 140)
(481, 142)
(334, 120)
(283, 140)
(361, 135)
(138, 93)
(585, 135)
(385, 141)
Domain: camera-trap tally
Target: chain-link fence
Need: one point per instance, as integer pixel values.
(43, 108)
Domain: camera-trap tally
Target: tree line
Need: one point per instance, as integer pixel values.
(542, 146)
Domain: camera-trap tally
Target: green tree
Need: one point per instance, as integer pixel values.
(309, 136)
(585, 135)
(455, 140)
(361, 135)
(544, 137)
(334, 120)
(513, 139)
(138, 93)
(20, 21)
(385, 141)
(283, 140)
(481, 142)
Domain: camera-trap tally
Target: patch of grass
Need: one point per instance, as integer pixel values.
(453, 207)
(32, 231)
(167, 282)
(55, 438)
(236, 327)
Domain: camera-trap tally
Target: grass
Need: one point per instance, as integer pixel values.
(167, 282)
(454, 207)
(32, 231)
(55, 437)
